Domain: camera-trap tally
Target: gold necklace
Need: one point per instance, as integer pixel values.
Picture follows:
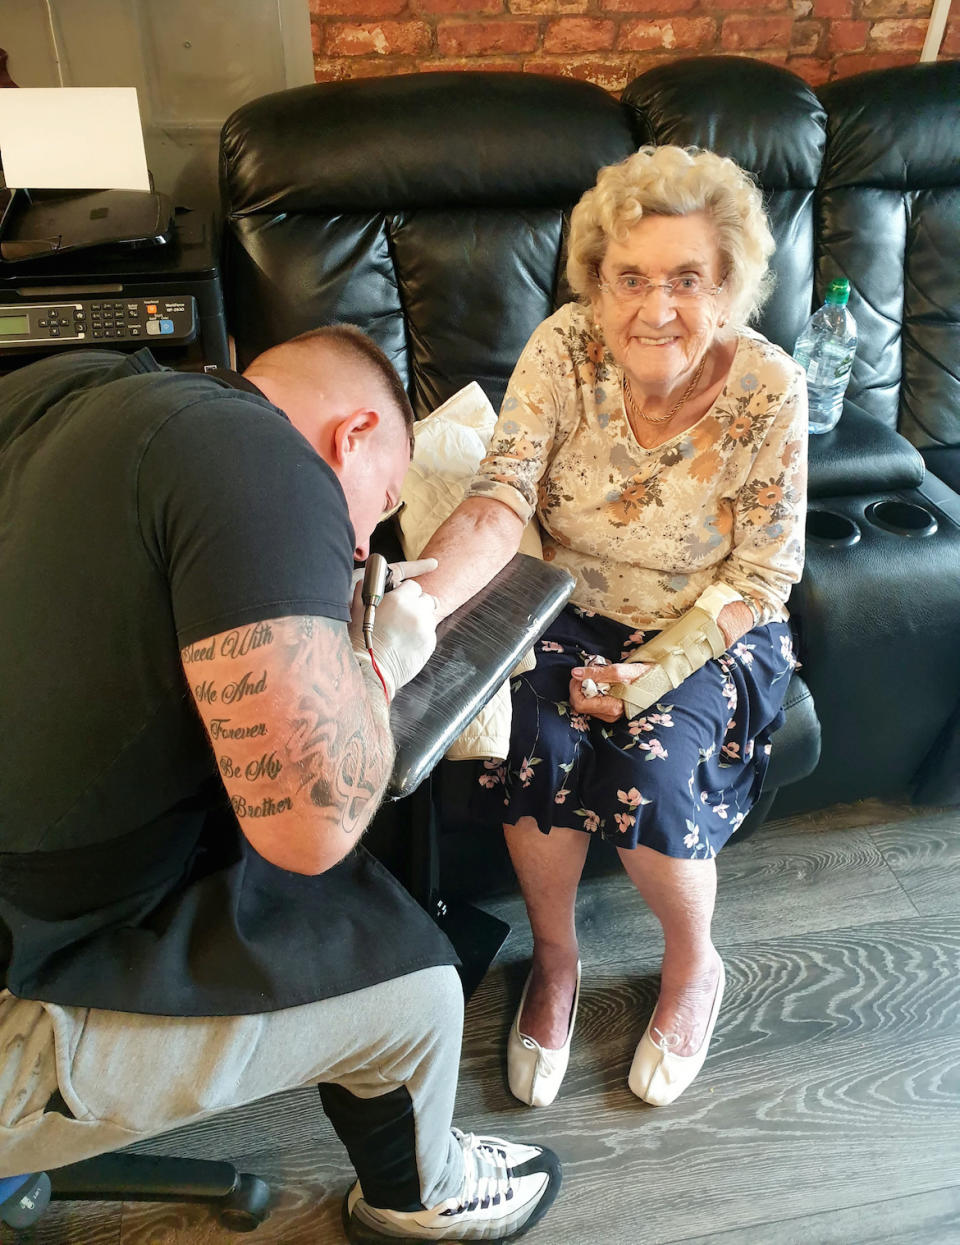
(687, 394)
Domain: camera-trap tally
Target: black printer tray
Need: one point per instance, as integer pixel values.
(52, 224)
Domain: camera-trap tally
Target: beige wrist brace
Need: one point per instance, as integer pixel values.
(677, 651)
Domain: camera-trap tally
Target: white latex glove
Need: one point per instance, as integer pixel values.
(404, 633)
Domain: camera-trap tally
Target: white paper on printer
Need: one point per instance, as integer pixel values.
(72, 138)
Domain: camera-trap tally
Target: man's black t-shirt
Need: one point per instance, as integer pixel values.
(141, 511)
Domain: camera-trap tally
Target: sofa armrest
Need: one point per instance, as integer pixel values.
(861, 455)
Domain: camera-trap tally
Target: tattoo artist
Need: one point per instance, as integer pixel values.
(196, 739)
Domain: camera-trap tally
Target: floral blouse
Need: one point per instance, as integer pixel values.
(645, 531)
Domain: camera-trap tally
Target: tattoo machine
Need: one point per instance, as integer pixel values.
(375, 583)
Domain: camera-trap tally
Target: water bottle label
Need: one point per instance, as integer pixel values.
(828, 371)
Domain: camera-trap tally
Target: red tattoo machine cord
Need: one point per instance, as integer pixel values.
(376, 670)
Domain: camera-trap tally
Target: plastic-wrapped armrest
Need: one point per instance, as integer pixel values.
(477, 647)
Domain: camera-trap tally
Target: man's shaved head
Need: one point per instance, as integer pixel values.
(341, 392)
(338, 356)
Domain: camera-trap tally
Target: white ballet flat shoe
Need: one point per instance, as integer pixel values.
(657, 1075)
(534, 1072)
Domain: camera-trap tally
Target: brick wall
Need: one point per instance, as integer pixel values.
(611, 41)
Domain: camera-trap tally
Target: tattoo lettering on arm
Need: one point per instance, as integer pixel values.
(300, 735)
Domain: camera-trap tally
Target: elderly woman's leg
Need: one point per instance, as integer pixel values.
(681, 894)
(548, 868)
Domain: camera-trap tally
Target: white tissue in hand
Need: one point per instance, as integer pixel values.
(589, 687)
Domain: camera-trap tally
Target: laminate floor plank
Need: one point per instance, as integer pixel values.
(926, 862)
(922, 1219)
(86, 1223)
(846, 816)
(828, 1110)
(308, 1185)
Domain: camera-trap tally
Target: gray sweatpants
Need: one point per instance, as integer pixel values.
(125, 1077)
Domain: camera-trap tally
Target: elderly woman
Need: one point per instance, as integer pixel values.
(662, 446)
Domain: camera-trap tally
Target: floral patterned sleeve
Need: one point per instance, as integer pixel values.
(524, 436)
(767, 555)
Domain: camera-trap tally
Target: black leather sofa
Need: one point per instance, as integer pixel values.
(431, 210)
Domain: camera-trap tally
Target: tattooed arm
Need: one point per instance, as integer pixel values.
(301, 734)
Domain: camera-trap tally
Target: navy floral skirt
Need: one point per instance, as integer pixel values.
(680, 778)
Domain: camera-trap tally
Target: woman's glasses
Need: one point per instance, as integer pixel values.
(631, 289)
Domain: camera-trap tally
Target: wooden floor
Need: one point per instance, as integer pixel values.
(828, 1110)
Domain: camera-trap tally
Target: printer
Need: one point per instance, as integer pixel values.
(109, 269)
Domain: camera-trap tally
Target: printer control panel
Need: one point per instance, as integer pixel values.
(98, 321)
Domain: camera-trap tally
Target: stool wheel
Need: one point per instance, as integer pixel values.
(23, 1199)
(245, 1208)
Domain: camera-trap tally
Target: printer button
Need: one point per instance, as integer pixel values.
(159, 328)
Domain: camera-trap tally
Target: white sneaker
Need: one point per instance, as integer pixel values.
(507, 1187)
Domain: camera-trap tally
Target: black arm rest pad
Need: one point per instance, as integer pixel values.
(861, 455)
(796, 745)
(477, 647)
(944, 462)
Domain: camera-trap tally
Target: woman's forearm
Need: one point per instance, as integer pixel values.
(477, 541)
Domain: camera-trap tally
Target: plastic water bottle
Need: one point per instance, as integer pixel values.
(825, 351)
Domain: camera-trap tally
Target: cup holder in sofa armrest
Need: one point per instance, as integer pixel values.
(836, 531)
(904, 518)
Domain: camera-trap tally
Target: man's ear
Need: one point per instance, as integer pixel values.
(352, 432)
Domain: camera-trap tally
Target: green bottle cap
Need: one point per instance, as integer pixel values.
(838, 292)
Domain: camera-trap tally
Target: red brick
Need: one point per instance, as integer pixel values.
(316, 39)
(741, 33)
(358, 8)
(861, 62)
(805, 38)
(832, 8)
(896, 8)
(458, 6)
(548, 6)
(759, 6)
(811, 69)
(650, 8)
(847, 36)
(379, 38)
(612, 73)
(681, 32)
(450, 64)
(770, 56)
(326, 70)
(359, 67)
(898, 36)
(951, 39)
(480, 38)
(579, 34)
